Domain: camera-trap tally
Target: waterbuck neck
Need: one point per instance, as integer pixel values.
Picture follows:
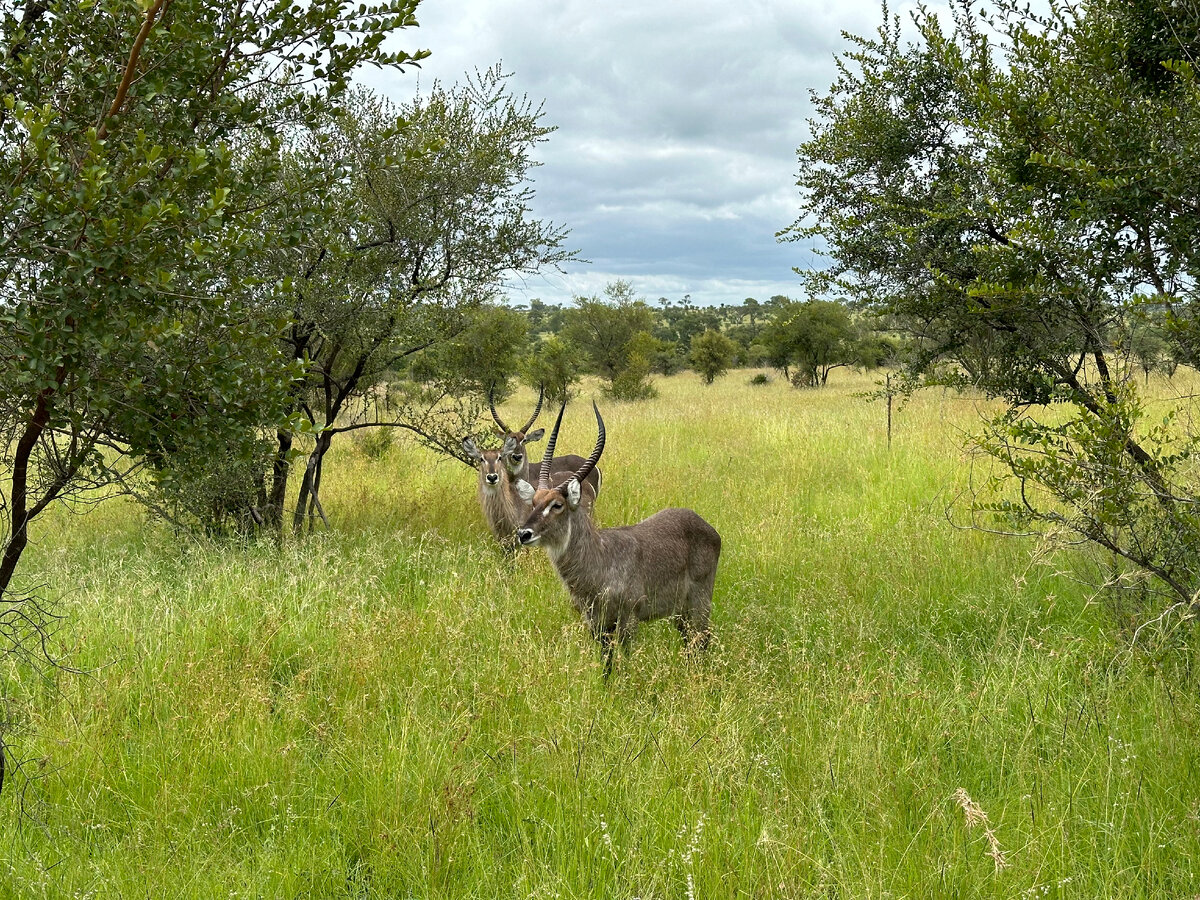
(580, 558)
(501, 507)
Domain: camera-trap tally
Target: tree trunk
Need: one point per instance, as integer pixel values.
(308, 504)
(280, 470)
(19, 497)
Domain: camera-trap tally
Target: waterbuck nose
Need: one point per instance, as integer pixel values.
(492, 478)
(525, 535)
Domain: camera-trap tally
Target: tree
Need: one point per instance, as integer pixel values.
(613, 334)
(815, 337)
(138, 147)
(1008, 193)
(712, 354)
(482, 356)
(429, 218)
(554, 366)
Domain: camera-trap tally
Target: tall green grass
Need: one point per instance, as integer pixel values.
(394, 709)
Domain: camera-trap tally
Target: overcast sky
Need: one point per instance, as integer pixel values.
(674, 163)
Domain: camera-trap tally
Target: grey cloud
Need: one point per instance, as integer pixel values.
(674, 160)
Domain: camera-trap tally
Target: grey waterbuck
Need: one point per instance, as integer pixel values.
(619, 577)
(515, 455)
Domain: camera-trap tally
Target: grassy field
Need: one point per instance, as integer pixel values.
(392, 709)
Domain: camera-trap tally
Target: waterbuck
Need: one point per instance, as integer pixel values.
(619, 577)
(515, 455)
(503, 508)
(499, 470)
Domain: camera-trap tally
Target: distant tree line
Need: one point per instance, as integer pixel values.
(625, 340)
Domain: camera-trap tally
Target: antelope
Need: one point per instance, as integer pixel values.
(499, 470)
(515, 456)
(503, 508)
(620, 577)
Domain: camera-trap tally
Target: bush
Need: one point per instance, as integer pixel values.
(554, 366)
(374, 443)
(712, 354)
(761, 378)
(207, 492)
(633, 382)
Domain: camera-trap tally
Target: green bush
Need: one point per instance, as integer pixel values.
(374, 443)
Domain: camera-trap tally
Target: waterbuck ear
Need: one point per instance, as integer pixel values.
(470, 449)
(509, 445)
(525, 489)
(534, 436)
(573, 493)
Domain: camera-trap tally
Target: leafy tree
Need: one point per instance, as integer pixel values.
(553, 365)
(712, 354)
(613, 334)
(667, 357)
(430, 217)
(482, 356)
(138, 149)
(815, 337)
(874, 350)
(633, 382)
(1008, 191)
(752, 309)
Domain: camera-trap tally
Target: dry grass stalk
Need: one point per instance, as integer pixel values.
(975, 816)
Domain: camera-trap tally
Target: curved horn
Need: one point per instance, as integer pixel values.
(496, 415)
(537, 409)
(544, 474)
(586, 469)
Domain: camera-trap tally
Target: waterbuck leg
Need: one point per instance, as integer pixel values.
(608, 644)
(693, 624)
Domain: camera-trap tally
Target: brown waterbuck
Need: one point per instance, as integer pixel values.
(515, 455)
(619, 577)
(503, 508)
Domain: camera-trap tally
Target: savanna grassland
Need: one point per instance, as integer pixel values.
(393, 709)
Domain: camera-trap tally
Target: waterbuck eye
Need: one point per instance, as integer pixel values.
(516, 457)
(556, 505)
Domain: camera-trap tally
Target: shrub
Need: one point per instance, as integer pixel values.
(374, 443)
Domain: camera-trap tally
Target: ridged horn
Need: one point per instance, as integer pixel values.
(586, 469)
(495, 415)
(544, 473)
(537, 409)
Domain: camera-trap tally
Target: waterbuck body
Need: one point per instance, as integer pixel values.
(664, 566)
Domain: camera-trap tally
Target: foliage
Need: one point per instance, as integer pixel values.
(633, 381)
(1010, 192)
(613, 334)
(554, 366)
(712, 354)
(400, 268)
(814, 337)
(483, 354)
(139, 158)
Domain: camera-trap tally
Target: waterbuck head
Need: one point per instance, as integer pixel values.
(492, 475)
(549, 520)
(513, 452)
